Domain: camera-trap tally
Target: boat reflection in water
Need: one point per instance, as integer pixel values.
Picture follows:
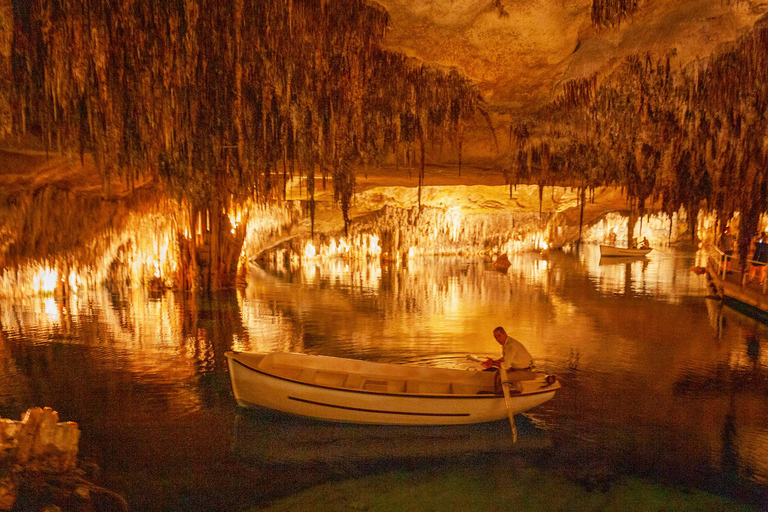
(270, 437)
(624, 260)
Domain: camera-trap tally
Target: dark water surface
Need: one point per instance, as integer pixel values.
(659, 381)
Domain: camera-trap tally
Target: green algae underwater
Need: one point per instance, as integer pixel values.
(507, 487)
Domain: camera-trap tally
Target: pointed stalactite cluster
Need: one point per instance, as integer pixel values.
(606, 13)
(501, 10)
(6, 50)
(225, 100)
(224, 97)
(693, 138)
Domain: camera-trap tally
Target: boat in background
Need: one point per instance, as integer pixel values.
(612, 250)
(350, 390)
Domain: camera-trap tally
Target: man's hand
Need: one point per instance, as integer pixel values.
(488, 363)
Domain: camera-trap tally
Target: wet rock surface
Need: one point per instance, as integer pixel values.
(39, 468)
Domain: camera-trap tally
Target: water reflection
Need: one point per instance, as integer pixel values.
(658, 379)
(274, 438)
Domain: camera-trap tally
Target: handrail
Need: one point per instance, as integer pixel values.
(722, 270)
(717, 258)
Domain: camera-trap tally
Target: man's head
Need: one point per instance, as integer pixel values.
(500, 334)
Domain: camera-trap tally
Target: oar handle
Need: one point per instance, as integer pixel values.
(508, 402)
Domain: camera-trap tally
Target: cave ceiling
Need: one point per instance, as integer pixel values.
(582, 93)
(520, 51)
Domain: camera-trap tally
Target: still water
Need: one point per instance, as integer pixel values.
(659, 381)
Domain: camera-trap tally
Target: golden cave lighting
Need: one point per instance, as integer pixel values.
(144, 250)
(310, 251)
(46, 280)
(659, 229)
(365, 246)
(51, 309)
(29, 280)
(235, 216)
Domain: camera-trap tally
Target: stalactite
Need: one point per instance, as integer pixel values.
(421, 167)
(685, 138)
(209, 97)
(611, 12)
(6, 75)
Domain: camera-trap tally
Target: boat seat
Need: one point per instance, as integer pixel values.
(412, 386)
(333, 379)
(289, 372)
(307, 375)
(375, 385)
(460, 388)
(438, 388)
(428, 388)
(385, 385)
(353, 381)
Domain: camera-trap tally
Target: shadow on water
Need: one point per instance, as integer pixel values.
(266, 437)
(623, 260)
(303, 452)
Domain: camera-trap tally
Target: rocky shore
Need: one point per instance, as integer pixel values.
(39, 468)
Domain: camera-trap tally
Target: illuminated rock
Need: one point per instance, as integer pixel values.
(7, 493)
(8, 430)
(39, 442)
(38, 461)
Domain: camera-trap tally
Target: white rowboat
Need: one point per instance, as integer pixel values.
(349, 390)
(610, 250)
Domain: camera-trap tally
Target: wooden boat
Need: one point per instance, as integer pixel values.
(348, 390)
(611, 250)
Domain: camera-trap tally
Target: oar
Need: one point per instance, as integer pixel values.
(507, 399)
(508, 402)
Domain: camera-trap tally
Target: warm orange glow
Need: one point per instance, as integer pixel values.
(309, 250)
(46, 280)
(145, 250)
(235, 215)
(656, 228)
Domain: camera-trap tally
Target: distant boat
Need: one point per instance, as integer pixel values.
(611, 250)
(349, 390)
(502, 263)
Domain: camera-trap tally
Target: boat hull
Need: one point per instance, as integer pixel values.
(254, 387)
(611, 251)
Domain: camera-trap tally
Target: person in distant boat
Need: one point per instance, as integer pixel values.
(645, 244)
(515, 358)
(612, 238)
(759, 258)
(726, 245)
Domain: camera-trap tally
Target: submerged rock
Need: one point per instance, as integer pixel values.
(44, 444)
(38, 465)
